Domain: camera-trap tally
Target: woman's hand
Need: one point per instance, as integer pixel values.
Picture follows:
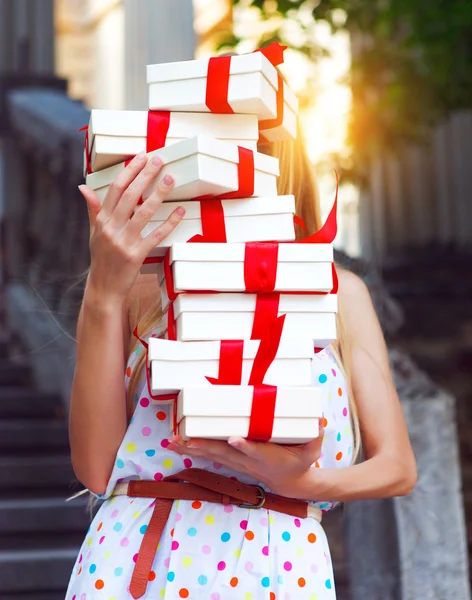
(279, 467)
(116, 244)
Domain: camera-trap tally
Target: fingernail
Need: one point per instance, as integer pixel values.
(180, 210)
(168, 180)
(141, 156)
(81, 187)
(234, 442)
(156, 161)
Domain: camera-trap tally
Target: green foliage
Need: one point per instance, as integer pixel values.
(412, 62)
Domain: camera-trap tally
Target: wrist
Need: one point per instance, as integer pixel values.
(102, 304)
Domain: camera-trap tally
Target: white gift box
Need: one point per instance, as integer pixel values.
(231, 317)
(288, 127)
(175, 365)
(220, 412)
(246, 220)
(116, 135)
(200, 166)
(220, 267)
(182, 86)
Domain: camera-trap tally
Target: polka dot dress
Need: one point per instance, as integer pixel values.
(210, 551)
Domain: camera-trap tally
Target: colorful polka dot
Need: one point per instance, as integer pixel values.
(118, 572)
(158, 476)
(187, 561)
(286, 536)
(144, 402)
(299, 552)
(131, 447)
(265, 582)
(340, 392)
(207, 550)
(249, 566)
(338, 437)
(92, 569)
(187, 463)
(150, 453)
(152, 576)
(99, 584)
(243, 524)
(202, 580)
(234, 582)
(170, 576)
(192, 532)
(143, 529)
(210, 520)
(184, 593)
(311, 538)
(323, 378)
(196, 505)
(175, 545)
(265, 550)
(297, 523)
(221, 565)
(302, 582)
(345, 412)
(167, 463)
(288, 566)
(237, 553)
(339, 456)
(225, 537)
(146, 431)
(165, 443)
(161, 415)
(328, 584)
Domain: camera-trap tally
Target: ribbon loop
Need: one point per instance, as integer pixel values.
(157, 129)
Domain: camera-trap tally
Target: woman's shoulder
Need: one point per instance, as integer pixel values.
(355, 302)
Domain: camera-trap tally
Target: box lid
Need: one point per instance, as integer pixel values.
(199, 144)
(194, 69)
(235, 252)
(290, 98)
(240, 302)
(264, 205)
(133, 123)
(165, 350)
(236, 400)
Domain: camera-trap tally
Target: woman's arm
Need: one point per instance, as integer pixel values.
(98, 418)
(389, 469)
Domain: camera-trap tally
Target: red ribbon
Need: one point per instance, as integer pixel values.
(230, 364)
(260, 267)
(157, 129)
(218, 84)
(274, 53)
(213, 223)
(265, 314)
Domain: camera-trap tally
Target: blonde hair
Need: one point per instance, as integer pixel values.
(297, 178)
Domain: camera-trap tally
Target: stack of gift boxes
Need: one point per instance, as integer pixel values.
(244, 304)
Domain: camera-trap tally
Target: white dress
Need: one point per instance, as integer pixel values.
(210, 551)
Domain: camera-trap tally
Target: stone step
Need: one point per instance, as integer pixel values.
(28, 403)
(36, 571)
(14, 374)
(33, 435)
(35, 596)
(29, 542)
(36, 472)
(38, 516)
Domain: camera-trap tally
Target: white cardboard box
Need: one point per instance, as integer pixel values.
(114, 136)
(182, 86)
(220, 267)
(200, 166)
(231, 317)
(175, 365)
(220, 412)
(288, 128)
(246, 220)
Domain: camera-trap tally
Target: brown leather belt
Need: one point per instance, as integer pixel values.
(197, 484)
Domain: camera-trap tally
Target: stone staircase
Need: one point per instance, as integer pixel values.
(435, 293)
(39, 532)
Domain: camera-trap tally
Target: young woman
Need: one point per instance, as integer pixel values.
(210, 550)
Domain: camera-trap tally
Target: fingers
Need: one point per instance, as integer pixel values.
(146, 211)
(121, 183)
(93, 204)
(163, 231)
(133, 192)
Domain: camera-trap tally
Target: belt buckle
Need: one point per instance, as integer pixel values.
(260, 504)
